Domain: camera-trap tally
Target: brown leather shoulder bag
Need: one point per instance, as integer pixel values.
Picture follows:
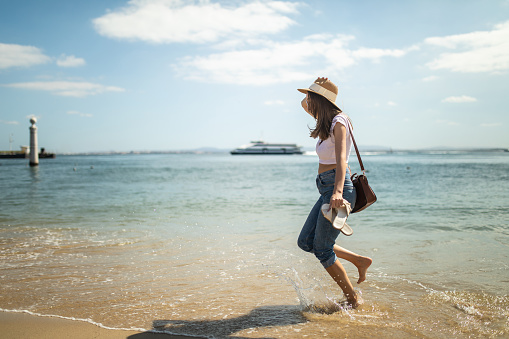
(365, 195)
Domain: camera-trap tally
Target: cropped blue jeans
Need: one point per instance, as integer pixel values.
(318, 236)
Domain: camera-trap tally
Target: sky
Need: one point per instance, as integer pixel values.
(139, 75)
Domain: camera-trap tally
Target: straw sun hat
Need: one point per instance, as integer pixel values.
(325, 88)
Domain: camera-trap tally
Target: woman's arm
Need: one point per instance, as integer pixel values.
(340, 145)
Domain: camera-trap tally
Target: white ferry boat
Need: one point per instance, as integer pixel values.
(261, 147)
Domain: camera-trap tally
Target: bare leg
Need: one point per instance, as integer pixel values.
(362, 263)
(338, 273)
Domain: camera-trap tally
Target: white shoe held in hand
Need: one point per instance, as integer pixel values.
(338, 216)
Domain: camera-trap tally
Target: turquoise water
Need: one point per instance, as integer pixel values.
(205, 244)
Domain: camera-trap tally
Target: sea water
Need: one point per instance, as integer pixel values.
(205, 245)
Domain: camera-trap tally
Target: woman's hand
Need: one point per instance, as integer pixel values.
(336, 201)
(321, 80)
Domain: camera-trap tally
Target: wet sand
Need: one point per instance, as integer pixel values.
(22, 325)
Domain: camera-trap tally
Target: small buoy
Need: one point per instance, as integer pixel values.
(74, 169)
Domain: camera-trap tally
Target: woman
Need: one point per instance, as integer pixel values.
(334, 185)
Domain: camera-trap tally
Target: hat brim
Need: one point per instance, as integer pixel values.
(306, 90)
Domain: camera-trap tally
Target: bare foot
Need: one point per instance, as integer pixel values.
(355, 302)
(362, 267)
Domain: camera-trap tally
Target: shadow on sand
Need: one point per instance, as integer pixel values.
(282, 315)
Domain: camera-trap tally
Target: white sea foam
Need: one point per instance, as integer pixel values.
(90, 321)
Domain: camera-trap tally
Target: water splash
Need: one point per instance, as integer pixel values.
(313, 296)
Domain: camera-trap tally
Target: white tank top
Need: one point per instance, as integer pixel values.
(326, 149)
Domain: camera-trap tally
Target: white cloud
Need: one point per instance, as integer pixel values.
(169, 21)
(70, 61)
(9, 122)
(67, 88)
(271, 62)
(482, 51)
(459, 99)
(84, 115)
(391, 103)
(239, 31)
(21, 56)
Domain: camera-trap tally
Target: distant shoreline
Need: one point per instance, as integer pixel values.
(363, 150)
(307, 151)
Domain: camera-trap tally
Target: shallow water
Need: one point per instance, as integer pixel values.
(206, 245)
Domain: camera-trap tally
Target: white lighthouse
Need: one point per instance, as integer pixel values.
(34, 152)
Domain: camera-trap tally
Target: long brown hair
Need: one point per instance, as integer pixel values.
(323, 111)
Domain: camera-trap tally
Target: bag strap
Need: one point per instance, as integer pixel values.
(356, 149)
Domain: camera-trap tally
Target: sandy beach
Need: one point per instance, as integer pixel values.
(23, 325)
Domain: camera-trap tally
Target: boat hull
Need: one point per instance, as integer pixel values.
(261, 148)
(263, 153)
